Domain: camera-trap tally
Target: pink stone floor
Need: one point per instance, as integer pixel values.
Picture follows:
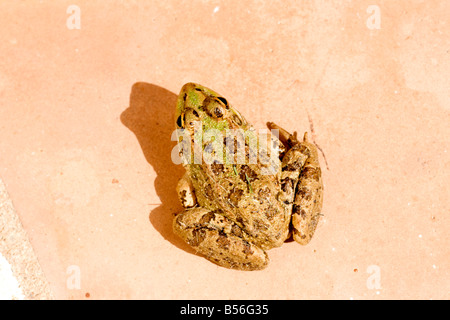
(87, 114)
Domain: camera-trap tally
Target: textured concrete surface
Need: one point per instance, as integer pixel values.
(21, 276)
(85, 144)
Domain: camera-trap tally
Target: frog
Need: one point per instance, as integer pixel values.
(235, 211)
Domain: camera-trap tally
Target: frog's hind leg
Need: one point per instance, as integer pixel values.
(308, 196)
(301, 184)
(219, 239)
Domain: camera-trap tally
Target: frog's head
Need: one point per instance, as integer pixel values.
(197, 103)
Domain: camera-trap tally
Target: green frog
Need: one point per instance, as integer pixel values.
(235, 207)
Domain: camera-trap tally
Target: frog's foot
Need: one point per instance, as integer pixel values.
(289, 140)
(219, 239)
(185, 192)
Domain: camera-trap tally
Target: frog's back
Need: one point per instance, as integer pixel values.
(242, 194)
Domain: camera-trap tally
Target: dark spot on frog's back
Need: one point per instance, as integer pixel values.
(223, 241)
(217, 168)
(305, 193)
(271, 212)
(235, 195)
(207, 218)
(247, 172)
(197, 237)
(209, 192)
(263, 194)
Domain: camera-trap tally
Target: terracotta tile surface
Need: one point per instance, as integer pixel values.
(87, 114)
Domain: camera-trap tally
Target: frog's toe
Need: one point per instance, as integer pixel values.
(288, 139)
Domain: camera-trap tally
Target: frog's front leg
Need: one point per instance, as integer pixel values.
(219, 239)
(301, 184)
(185, 192)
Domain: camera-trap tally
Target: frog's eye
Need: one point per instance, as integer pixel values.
(214, 108)
(218, 111)
(180, 121)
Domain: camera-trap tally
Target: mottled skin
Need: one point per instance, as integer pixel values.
(234, 213)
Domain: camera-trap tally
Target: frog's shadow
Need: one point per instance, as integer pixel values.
(150, 118)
